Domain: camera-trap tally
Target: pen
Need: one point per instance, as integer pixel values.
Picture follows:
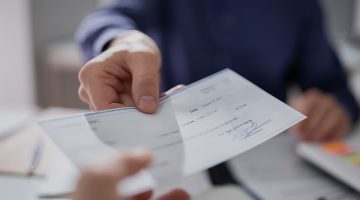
(35, 157)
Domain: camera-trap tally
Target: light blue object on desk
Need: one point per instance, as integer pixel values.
(16, 188)
(35, 157)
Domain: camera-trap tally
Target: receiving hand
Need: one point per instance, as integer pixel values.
(126, 74)
(326, 120)
(101, 183)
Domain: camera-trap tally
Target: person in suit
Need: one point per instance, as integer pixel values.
(136, 47)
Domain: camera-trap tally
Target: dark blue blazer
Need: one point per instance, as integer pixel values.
(273, 43)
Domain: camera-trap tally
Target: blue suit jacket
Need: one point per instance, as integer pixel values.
(273, 43)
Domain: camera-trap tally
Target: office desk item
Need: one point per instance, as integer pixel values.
(36, 155)
(201, 125)
(12, 119)
(340, 158)
(273, 171)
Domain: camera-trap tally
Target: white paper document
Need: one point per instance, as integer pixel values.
(203, 124)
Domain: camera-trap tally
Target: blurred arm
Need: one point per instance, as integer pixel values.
(318, 66)
(103, 25)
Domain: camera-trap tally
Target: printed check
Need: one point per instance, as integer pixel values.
(203, 124)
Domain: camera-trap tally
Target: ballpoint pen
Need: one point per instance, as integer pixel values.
(35, 157)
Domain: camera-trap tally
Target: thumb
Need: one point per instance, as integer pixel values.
(145, 89)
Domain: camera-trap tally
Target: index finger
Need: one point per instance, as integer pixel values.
(103, 96)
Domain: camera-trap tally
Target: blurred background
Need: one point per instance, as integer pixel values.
(39, 60)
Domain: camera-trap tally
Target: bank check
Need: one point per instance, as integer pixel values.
(197, 127)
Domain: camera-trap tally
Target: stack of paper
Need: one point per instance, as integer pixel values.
(206, 123)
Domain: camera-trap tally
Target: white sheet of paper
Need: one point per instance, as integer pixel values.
(206, 123)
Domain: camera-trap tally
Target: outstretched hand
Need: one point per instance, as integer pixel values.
(126, 74)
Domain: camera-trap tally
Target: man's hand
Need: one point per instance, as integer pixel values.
(126, 74)
(100, 183)
(326, 117)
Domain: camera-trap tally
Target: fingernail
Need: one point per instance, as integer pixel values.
(146, 102)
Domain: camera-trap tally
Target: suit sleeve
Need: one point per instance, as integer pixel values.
(318, 66)
(101, 26)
